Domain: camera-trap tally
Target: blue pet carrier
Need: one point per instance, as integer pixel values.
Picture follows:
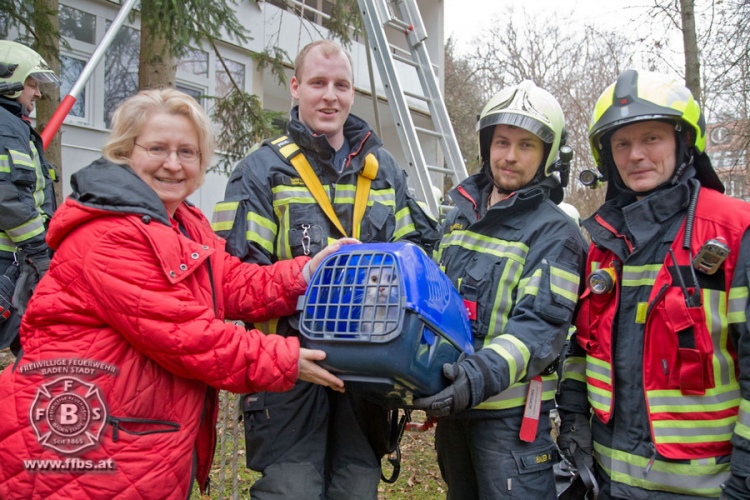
(388, 319)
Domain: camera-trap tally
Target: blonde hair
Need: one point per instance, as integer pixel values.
(328, 47)
(132, 114)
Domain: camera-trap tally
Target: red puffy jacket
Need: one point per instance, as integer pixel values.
(125, 346)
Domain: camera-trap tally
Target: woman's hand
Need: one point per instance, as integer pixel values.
(309, 371)
(313, 264)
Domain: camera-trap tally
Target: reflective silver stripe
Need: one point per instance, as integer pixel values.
(487, 245)
(4, 164)
(680, 431)
(517, 392)
(574, 365)
(27, 230)
(737, 304)
(224, 212)
(384, 196)
(508, 347)
(599, 401)
(593, 368)
(640, 275)
(261, 230)
(503, 298)
(285, 195)
(530, 286)
(743, 420)
(6, 244)
(712, 303)
(345, 194)
(694, 478)
(404, 223)
(675, 401)
(564, 284)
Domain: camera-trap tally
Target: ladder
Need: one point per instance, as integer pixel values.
(402, 19)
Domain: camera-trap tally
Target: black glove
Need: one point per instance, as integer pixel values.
(34, 261)
(454, 398)
(37, 256)
(736, 488)
(575, 434)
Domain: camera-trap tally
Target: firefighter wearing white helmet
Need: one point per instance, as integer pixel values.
(26, 192)
(655, 392)
(515, 258)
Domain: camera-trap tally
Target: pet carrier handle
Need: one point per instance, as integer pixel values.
(291, 152)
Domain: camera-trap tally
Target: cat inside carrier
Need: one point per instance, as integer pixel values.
(388, 319)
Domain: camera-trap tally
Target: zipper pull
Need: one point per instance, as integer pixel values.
(664, 366)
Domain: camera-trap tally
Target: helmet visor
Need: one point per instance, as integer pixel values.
(536, 127)
(45, 77)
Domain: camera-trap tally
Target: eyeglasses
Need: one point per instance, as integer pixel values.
(186, 154)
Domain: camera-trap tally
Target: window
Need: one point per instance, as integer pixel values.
(194, 62)
(77, 24)
(196, 94)
(120, 69)
(223, 83)
(70, 69)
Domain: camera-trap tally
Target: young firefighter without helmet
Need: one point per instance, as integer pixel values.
(22, 62)
(644, 96)
(528, 107)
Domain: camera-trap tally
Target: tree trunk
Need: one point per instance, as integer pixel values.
(690, 41)
(47, 23)
(157, 67)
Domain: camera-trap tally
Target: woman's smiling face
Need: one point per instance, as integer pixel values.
(172, 177)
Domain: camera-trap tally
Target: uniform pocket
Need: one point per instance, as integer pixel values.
(378, 224)
(23, 172)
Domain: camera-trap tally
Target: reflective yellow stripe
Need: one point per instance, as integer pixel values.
(737, 305)
(673, 401)
(27, 230)
(261, 230)
(223, 216)
(574, 368)
(4, 164)
(743, 420)
(514, 352)
(404, 223)
(530, 285)
(515, 395)
(501, 308)
(640, 275)
(564, 283)
(699, 477)
(480, 243)
(267, 327)
(6, 244)
(693, 431)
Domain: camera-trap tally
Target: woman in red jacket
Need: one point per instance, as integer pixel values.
(124, 342)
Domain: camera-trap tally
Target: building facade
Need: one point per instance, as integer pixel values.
(287, 24)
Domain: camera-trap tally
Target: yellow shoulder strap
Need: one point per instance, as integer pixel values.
(366, 175)
(292, 153)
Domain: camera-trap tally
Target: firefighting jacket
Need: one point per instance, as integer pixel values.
(27, 198)
(517, 266)
(270, 215)
(661, 348)
(126, 345)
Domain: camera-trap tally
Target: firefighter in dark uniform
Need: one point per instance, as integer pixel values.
(27, 198)
(313, 443)
(516, 259)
